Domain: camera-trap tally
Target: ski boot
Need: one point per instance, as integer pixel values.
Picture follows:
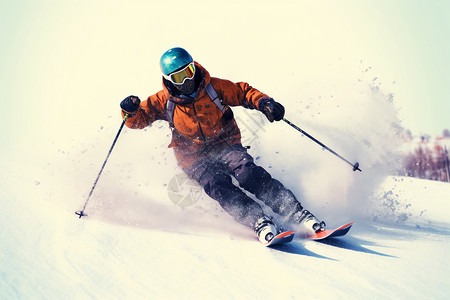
(309, 224)
(265, 229)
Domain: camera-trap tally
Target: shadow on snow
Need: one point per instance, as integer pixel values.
(354, 244)
(299, 249)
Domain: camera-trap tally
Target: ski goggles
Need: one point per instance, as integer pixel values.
(179, 77)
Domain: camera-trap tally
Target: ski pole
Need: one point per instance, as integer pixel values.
(81, 213)
(355, 166)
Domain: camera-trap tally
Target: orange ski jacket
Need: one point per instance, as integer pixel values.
(200, 127)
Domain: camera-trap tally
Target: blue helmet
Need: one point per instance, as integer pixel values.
(174, 59)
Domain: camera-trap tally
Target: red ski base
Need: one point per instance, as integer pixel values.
(330, 233)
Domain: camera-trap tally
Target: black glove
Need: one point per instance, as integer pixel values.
(273, 110)
(130, 104)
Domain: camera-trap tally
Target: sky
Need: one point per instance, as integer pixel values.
(67, 64)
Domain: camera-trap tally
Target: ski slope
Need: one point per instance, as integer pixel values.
(137, 244)
(144, 249)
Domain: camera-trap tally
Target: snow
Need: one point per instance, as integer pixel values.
(62, 114)
(48, 253)
(136, 244)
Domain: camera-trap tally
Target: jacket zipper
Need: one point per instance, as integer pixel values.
(199, 125)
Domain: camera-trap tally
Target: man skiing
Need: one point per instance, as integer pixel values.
(207, 142)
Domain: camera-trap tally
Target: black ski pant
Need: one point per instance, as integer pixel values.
(214, 173)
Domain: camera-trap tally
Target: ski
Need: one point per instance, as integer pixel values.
(281, 238)
(331, 233)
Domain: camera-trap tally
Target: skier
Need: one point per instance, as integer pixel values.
(207, 142)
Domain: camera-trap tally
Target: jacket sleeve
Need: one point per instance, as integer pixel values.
(238, 94)
(149, 111)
